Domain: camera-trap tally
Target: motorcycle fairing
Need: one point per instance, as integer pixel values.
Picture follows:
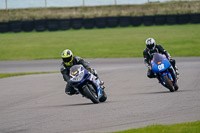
(87, 76)
(84, 77)
(160, 63)
(96, 82)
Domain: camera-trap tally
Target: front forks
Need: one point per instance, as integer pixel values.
(173, 74)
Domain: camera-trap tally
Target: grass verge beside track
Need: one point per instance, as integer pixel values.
(192, 127)
(5, 75)
(179, 40)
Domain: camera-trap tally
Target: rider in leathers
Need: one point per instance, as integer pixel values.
(68, 61)
(151, 48)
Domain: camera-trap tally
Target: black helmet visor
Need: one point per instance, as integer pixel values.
(68, 59)
(150, 46)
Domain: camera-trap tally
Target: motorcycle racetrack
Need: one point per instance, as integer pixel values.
(38, 103)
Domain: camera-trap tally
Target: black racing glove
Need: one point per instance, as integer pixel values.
(93, 71)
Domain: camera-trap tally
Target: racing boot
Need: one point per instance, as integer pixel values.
(71, 91)
(101, 83)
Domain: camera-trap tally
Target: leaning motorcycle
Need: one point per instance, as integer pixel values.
(87, 84)
(164, 72)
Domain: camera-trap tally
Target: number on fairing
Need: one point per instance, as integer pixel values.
(160, 67)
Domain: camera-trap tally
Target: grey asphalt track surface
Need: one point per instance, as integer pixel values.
(38, 104)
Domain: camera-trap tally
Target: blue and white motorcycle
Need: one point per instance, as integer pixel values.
(164, 71)
(87, 84)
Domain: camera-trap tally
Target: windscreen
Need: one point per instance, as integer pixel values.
(75, 68)
(157, 58)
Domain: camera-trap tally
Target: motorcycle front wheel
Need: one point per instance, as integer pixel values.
(168, 83)
(90, 93)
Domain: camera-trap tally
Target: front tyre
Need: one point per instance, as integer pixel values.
(168, 83)
(90, 93)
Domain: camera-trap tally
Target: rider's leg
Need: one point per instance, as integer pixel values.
(150, 74)
(173, 62)
(70, 90)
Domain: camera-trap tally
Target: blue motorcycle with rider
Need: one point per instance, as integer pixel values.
(161, 65)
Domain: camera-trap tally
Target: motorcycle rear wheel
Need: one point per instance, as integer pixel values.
(104, 97)
(176, 87)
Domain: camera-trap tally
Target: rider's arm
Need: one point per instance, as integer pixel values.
(65, 73)
(163, 51)
(146, 58)
(85, 64)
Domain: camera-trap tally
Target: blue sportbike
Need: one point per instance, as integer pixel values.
(87, 84)
(164, 72)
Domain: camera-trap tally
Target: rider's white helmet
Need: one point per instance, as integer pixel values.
(150, 43)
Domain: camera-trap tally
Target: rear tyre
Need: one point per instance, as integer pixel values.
(168, 83)
(176, 87)
(104, 97)
(90, 93)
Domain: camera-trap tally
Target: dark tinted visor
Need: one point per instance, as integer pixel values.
(67, 59)
(150, 46)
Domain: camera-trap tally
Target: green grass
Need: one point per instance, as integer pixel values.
(5, 75)
(179, 40)
(192, 127)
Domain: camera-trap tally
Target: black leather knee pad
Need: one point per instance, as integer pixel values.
(173, 62)
(150, 74)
